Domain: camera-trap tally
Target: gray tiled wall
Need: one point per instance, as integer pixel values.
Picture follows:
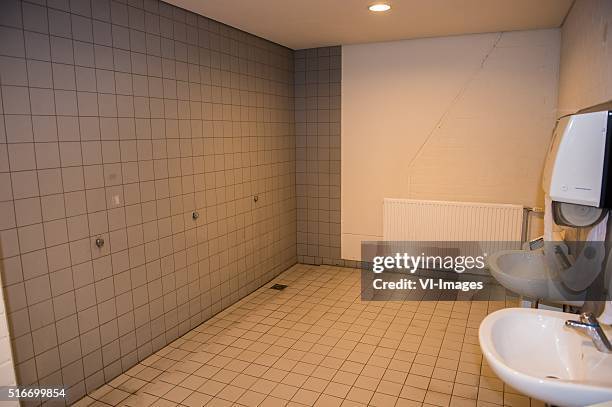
(317, 126)
(119, 119)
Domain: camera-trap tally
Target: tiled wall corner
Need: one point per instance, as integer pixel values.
(119, 119)
(317, 126)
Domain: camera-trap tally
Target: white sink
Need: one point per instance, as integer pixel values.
(533, 351)
(525, 273)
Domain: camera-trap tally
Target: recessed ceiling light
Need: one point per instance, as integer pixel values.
(380, 7)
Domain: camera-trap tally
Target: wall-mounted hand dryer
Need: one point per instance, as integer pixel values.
(577, 166)
(578, 169)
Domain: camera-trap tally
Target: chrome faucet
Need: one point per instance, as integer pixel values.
(590, 326)
(536, 243)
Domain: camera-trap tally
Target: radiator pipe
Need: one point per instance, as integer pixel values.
(526, 228)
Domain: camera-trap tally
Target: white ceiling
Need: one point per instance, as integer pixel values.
(301, 24)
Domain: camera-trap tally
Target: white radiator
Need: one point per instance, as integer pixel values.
(494, 226)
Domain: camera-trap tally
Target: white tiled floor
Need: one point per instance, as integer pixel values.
(317, 343)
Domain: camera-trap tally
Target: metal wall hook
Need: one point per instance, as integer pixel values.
(255, 198)
(99, 242)
(195, 215)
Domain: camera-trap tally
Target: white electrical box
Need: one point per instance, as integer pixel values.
(577, 165)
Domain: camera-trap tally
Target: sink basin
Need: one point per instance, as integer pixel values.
(522, 272)
(533, 351)
(525, 273)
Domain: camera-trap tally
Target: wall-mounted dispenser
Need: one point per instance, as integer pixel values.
(578, 172)
(577, 180)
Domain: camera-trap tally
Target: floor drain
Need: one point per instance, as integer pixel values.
(278, 287)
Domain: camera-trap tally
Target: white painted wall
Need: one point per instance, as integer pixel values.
(464, 118)
(586, 56)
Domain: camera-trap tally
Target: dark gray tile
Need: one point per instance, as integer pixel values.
(81, 7)
(87, 103)
(35, 18)
(101, 10)
(88, 319)
(61, 282)
(26, 372)
(123, 60)
(109, 332)
(20, 100)
(95, 380)
(110, 353)
(85, 297)
(138, 41)
(42, 102)
(61, 50)
(102, 33)
(19, 323)
(12, 42)
(72, 376)
(15, 297)
(11, 14)
(103, 57)
(85, 79)
(47, 363)
(38, 289)
(124, 83)
(105, 81)
(107, 311)
(82, 29)
(152, 24)
(119, 13)
(13, 71)
(59, 4)
(64, 305)
(83, 54)
(90, 341)
(44, 339)
(63, 77)
(66, 105)
(41, 314)
(59, 23)
(136, 18)
(121, 37)
(67, 328)
(70, 352)
(34, 264)
(40, 74)
(23, 349)
(104, 290)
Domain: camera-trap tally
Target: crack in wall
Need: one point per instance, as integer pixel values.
(447, 111)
